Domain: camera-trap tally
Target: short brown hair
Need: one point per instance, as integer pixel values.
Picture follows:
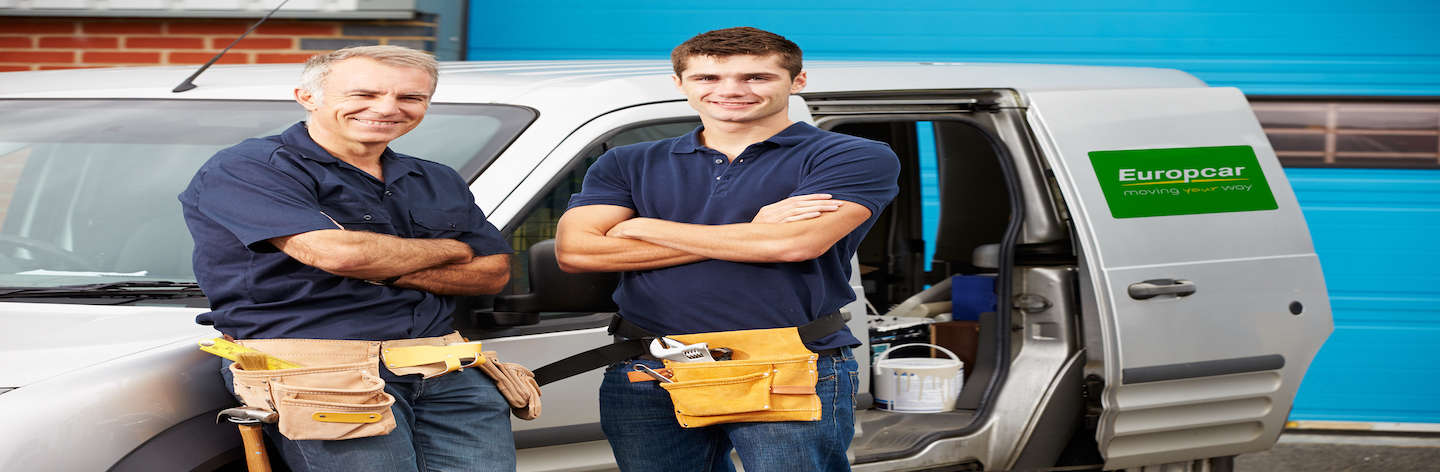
(738, 41)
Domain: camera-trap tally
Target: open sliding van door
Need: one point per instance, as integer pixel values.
(1202, 295)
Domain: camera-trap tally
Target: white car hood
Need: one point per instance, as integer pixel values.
(42, 340)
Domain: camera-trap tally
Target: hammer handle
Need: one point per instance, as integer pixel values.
(255, 458)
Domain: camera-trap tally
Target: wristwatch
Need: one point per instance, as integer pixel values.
(389, 281)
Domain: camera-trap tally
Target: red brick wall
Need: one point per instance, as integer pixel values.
(69, 43)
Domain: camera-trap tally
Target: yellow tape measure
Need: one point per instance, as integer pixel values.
(229, 350)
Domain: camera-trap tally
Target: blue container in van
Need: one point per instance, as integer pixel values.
(971, 295)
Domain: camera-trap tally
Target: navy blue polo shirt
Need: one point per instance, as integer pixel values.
(680, 180)
(284, 185)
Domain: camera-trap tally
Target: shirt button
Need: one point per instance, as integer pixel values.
(387, 193)
(717, 161)
(717, 178)
(367, 217)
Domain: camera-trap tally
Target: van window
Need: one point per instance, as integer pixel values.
(88, 187)
(540, 223)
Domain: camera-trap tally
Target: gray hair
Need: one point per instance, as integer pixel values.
(317, 68)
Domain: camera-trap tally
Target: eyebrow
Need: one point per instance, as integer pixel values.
(377, 92)
(743, 74)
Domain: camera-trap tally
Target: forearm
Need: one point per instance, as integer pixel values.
(792, 241)
(371, 256)
(582, 246)
(600, 253)
(482, 275)
(742, 242)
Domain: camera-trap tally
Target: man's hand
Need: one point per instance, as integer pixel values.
(797, 208)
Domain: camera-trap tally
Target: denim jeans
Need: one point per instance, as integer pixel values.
(639, 421)
(454, 422)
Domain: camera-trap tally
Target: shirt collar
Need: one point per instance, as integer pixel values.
(688, 143)
(794, 134)
(299, 137)
(791, 136)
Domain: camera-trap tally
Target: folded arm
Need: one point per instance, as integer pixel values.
(605, 238)
(749, 242)
(440, 266)
(581, 244)
(482, 275)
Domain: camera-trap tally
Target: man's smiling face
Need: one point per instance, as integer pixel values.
(366, 102)
(738, 89)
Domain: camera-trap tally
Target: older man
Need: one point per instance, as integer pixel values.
(324, 247)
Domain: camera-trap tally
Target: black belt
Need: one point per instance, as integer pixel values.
(635, 345)
(832, 352)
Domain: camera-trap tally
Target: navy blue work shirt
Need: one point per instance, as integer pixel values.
(284, 185)
(680, 180)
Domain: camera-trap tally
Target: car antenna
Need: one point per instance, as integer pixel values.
(187, 84)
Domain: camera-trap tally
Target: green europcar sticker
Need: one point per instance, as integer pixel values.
(1182, 181)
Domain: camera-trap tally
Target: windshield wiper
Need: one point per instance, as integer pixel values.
(129, 289)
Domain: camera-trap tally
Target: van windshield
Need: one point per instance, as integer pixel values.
(88, 187)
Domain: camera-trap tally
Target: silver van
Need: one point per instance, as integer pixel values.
(1159, 299)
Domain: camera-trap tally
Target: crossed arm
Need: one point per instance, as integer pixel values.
(438, 266)
(607, 238)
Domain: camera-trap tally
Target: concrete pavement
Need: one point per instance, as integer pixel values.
(1348, 451)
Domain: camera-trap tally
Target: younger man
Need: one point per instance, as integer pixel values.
(748, 222)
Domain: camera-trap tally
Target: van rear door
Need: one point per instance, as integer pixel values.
(1203, 297)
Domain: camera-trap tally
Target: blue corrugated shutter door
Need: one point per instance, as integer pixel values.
(1377, 232)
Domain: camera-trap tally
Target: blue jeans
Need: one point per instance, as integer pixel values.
(639, 421)
(454, 422)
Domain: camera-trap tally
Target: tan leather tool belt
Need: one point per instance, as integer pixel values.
(337, 392)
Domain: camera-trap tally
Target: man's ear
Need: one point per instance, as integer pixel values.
(798, 84)
(306, 99)
(678, 82)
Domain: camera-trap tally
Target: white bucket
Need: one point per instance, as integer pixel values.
(917, 384)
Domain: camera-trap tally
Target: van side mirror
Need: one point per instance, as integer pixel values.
(552, 291)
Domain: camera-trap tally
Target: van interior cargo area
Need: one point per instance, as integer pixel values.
(974, 211)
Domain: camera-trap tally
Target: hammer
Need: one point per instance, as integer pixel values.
(249, 420)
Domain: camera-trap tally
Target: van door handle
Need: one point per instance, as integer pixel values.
(1157, 287)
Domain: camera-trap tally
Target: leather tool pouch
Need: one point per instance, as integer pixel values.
(431, 359)
(338, 394)
(516, 384)
(771, 377)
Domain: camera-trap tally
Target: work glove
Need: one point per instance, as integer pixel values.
(516, 384)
